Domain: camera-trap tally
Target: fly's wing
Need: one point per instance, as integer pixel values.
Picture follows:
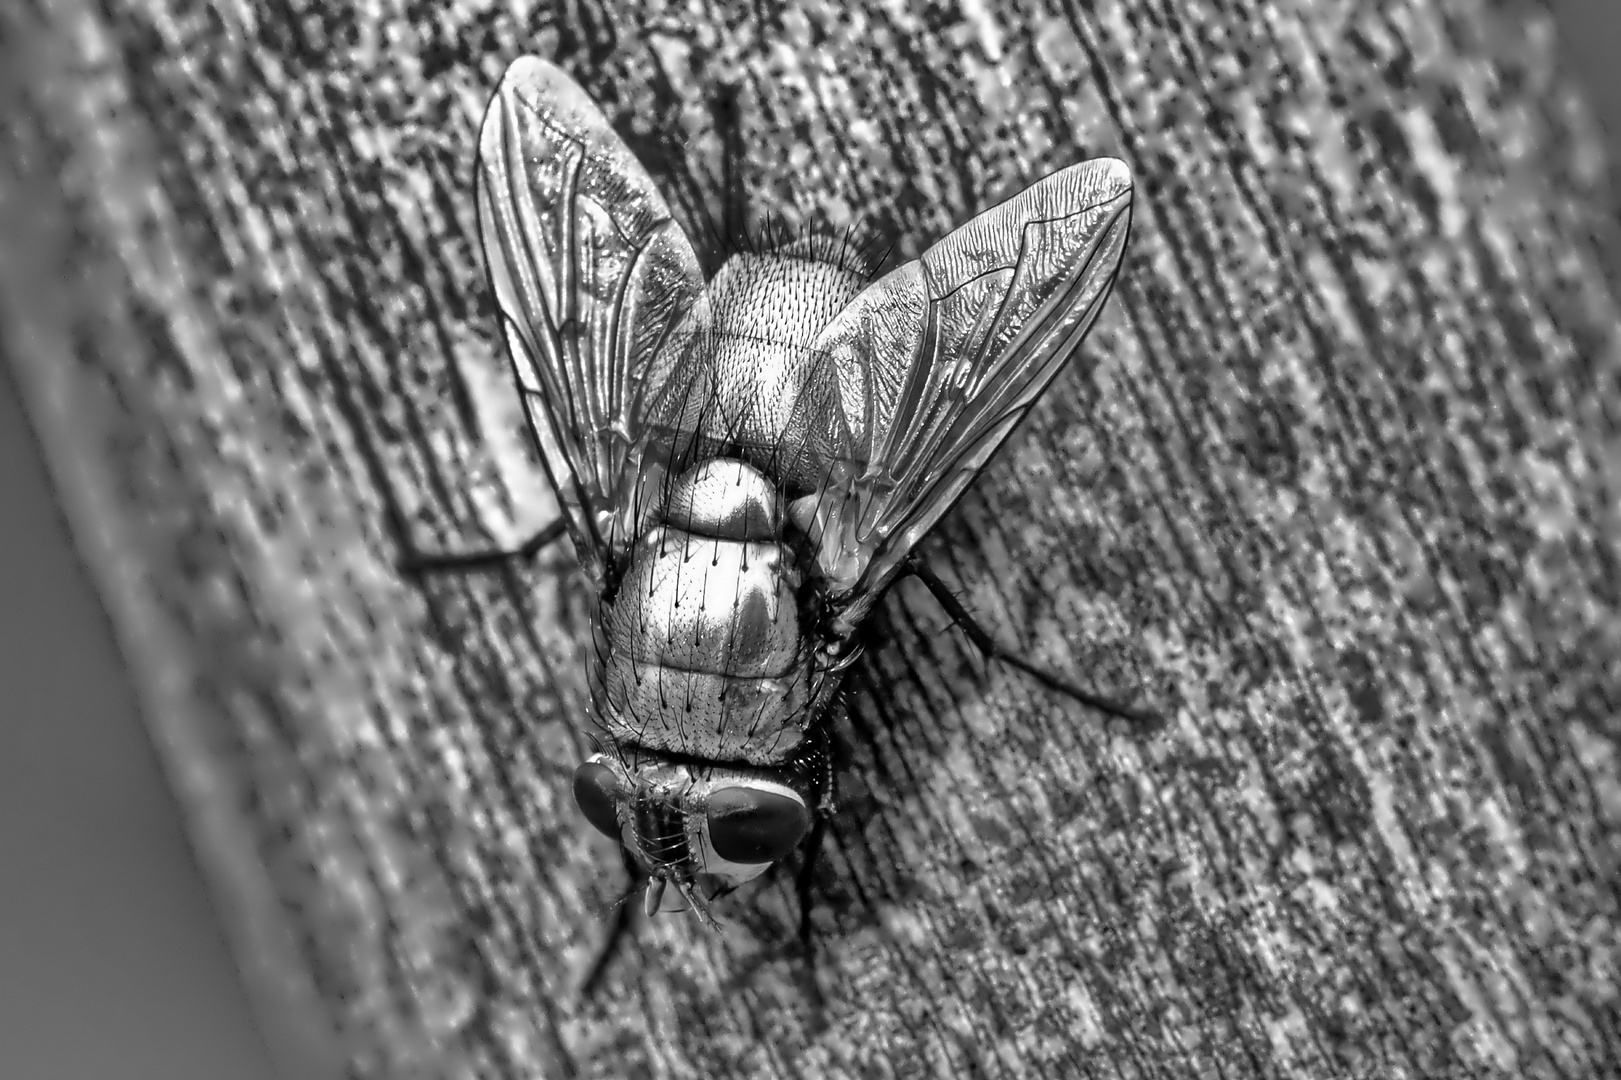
(940, 359)
(593, 279)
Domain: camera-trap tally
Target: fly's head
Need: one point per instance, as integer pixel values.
(697, 829)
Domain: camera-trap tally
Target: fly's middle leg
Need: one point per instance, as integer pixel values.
(487, 559)
(994, 649)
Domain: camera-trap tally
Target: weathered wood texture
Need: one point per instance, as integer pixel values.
(1336, 484)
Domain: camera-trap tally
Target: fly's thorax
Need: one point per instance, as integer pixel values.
(750, 383)
(702, 650)
(707, 828)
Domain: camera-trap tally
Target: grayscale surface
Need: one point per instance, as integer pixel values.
(1336, 486)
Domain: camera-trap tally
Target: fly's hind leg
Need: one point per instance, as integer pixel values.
(994, 649)
(489, 559)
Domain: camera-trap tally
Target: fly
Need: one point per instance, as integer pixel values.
(746, 465)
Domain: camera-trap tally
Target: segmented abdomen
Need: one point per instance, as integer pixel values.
(703, 653)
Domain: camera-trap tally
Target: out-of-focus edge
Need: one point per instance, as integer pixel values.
(36, 318)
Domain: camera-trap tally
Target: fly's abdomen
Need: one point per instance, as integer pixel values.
(704, 650)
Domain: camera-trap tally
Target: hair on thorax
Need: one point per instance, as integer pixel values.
(859, 248)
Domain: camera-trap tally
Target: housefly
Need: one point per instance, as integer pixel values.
(745, 465)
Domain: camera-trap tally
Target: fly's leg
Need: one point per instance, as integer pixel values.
(489, 559)
(729, 122)
(618, 931)
(802, 883)
(994, 649)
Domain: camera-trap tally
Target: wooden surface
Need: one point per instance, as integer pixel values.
(1335, 488)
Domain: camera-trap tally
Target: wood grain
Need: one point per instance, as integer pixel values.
(1335, 488)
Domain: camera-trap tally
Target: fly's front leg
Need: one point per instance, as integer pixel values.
(994, 649)
(618, 931)
(802, 883)
(489, 559)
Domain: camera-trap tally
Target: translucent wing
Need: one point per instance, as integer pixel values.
(592, 277)
(940, 359)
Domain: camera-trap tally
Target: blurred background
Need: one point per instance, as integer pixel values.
(112, 960)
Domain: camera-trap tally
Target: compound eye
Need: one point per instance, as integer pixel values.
(747, 825)
(596, 789)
